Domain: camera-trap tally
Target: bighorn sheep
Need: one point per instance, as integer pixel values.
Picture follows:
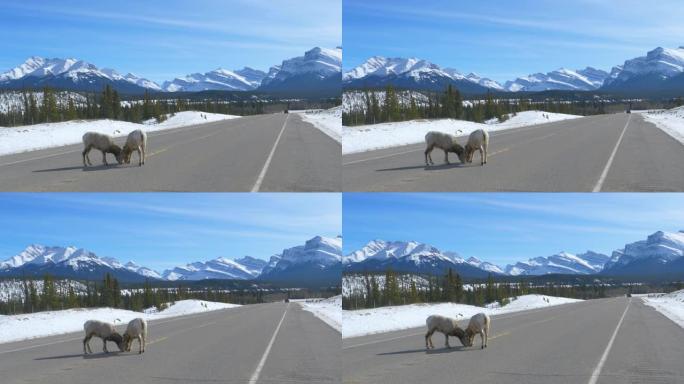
(100, 141)
(137, 329)
(445, 142)
(477, 141)
(104, 331)
(445, 325)
(136, 141)
(479, 324)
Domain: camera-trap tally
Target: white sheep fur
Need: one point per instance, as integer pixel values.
(444, 141)
(137, 329)
(136, 141)
(104, 331)
(445, 325)
(104, 143)
(477, 141)
(478, 325)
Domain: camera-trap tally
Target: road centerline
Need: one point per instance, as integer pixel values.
(597, 371)
(255, 376)
(262, 174)
(604, 174)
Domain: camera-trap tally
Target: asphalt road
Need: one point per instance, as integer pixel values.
(277, 152)
(564, 344)
(230, 346)
(619, 152)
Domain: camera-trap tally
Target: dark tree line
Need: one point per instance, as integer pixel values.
(59, 294)
(401, 289)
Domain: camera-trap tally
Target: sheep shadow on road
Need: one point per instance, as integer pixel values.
(85, 169)
(438, 167)
(423, 350)
(77, 355)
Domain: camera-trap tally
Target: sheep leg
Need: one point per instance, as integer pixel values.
(486, 155)
(428, 155)
(486, 332)
(86, 151)
(104, 158)
(446, 338)
(104, 345)
(428, 339)
(143, 154)
(144, 339)
(446, 156)
(140, 344)
(482, 339)
(86, 343)
(482, 158)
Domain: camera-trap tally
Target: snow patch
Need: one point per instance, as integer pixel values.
(671, 305)
(49, 323)
(328, 310)
(329, 121)
(379, 320)
(671, 121)
(378, 136)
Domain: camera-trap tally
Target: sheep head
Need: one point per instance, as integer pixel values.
(115, 337)
(126, 154)
(116, 150)
(459, 152)
(128, 342)
(462, 336)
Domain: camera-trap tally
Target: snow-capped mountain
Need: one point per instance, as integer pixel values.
(144, 271)
(70, 262)
(587, 79)
(485, 265)
(219, 268)
(412, 256)
(319, 69)
(317, 261)
(245, 79)
(563, 263)
(71, 74)
(652, 71)
(661, 252)
(413, 73)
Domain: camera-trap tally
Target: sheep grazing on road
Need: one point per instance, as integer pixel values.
(136, 141)
(477, 141)
(479, 325)
(104, 331)
(104, 143)
(445, 325)
(137, 329)
(444, 141)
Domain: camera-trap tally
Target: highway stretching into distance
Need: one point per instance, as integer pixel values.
(269, 153)
(619, 152)
(261, 343)
(607, 341)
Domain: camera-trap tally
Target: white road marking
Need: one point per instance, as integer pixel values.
(260, 178)
(602, 179)
(599, 367)
(257, 372)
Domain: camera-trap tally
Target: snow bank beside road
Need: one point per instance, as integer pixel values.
(671, 121)
(41, 136)
(671, 305)
(329, 121)
(369, 321)
(41, 324)
(378, 136)
(329, 310)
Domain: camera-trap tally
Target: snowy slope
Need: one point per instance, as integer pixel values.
(14, 100)
(563, 262)
(48, 135)
(663, 62)
(671, 121)
(41, 324)
(219, 268)
(670, 305)
(657, 251)
(370, 137)
(317, 64)
(329, 121)
(369, 321)
(13, 289)
(329, 310)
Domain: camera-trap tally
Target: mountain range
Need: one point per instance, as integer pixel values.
(315, 262)
(319, 69)
(659, 69)
(662, 253)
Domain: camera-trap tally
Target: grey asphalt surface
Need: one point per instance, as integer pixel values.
(566, 156)
(562, 344)
(216, 347)
(225, 156)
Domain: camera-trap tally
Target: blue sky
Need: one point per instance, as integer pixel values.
(504, 39)
(162, 230)
(161, 40)
(507, 227)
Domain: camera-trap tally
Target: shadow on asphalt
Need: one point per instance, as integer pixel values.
(76, 355)
(423, 350)
(425, 167)
(85, 169)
